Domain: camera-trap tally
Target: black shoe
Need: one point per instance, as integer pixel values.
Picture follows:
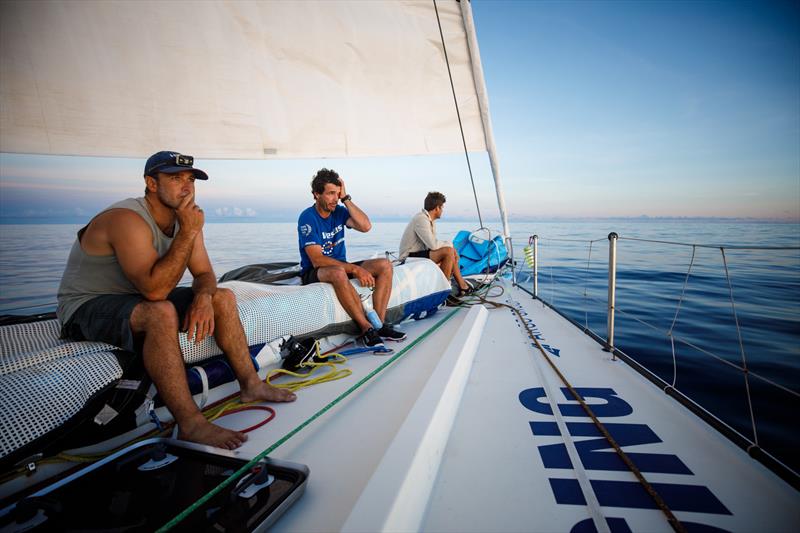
(370, 339)
(388, 333)
(452, 301)
(469, 291)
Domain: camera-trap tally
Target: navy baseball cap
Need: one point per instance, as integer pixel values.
(170, 162)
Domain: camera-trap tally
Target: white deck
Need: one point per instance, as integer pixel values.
(487, 474)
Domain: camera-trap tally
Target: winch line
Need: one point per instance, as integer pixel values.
(671, 518)
(246, 467)
(659, 501)
(592, 503)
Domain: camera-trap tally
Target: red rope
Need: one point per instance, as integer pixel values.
(252, 408)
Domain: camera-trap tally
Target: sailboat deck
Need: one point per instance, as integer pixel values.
(385, 457)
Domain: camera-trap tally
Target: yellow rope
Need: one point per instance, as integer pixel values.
(331, 363)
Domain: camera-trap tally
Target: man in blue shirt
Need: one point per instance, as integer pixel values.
(323, 257)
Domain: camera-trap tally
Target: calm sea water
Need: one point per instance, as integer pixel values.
(573, 275)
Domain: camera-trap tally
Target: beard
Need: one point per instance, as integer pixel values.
(168, 200)
(325, 207)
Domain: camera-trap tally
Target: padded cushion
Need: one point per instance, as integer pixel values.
(46, 380)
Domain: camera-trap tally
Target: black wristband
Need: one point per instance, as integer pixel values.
(346, 197)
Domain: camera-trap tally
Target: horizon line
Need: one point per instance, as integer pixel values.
(79, 219)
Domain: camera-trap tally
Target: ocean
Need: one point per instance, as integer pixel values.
(573, 276)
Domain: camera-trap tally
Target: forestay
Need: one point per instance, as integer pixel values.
(234, 80)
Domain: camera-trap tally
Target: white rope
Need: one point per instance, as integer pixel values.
(741, 346)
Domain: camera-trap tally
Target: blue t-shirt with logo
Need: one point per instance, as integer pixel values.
(325, 232)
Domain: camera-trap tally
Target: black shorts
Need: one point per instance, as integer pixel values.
(310, 274)
(107, 318)
(423, 253)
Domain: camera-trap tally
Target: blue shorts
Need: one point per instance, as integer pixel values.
(107, 318)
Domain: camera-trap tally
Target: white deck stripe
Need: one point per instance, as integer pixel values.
(396, 497)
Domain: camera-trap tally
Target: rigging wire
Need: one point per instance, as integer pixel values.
(586, 287)
(670, 333)
(741, 347)
(675, 319)
(458, 113)
(715, 246)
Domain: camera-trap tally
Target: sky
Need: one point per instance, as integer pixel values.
(599, 109)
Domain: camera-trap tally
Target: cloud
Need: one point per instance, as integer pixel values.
(226, 211)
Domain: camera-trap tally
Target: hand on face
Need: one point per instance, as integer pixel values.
(190, 216)
(342, 192)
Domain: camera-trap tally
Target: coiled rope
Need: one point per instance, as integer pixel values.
(224, 407)
(312, 361)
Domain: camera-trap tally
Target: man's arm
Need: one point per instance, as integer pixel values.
(199, 319)
(131, 239)
(423, 230)
(358, 220)
(320, 260)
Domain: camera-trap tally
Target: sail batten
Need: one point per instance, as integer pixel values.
(234, 80)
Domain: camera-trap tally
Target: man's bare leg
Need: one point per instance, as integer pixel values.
(444, 258)
(229, 334)
(447, 259)
(158, 321)
(382, 271)
(346, 293)
(457, 271)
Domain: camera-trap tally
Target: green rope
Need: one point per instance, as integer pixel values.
(236, 475)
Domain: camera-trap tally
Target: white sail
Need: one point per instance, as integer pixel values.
(237, 80)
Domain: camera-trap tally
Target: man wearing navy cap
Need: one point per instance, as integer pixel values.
(119, 287)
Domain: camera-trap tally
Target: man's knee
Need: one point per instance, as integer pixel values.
(447, 253)
(334, 275)
(147, 316)
(385, 266)
(224, 299)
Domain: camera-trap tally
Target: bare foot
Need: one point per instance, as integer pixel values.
(261, 391)
(202, 431)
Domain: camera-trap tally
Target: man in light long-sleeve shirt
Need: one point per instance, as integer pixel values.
(419, 240)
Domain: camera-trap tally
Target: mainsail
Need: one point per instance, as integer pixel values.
(241, 80)
(234, 80)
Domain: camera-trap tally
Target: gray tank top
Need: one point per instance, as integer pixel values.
(87, 276)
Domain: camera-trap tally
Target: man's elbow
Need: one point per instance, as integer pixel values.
(366, 226)
(155, 295)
